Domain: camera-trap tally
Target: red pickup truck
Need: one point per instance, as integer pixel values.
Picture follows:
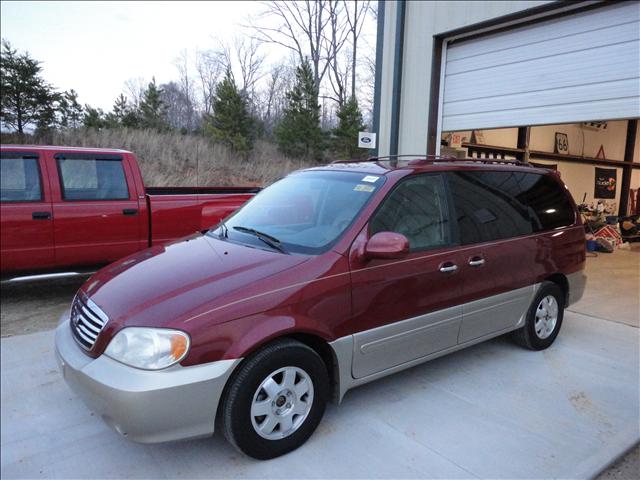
(65, 207)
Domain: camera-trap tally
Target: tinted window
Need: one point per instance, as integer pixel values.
(416, 208)
(549, 201)
(495, 205)
(90, 179)
(20, 180)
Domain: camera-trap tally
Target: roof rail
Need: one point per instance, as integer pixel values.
(422, 158)
(390, 158)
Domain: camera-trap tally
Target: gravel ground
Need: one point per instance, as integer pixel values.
(627, 468)
(29, 307)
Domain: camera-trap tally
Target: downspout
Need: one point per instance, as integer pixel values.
(397, 78)
(378, 75)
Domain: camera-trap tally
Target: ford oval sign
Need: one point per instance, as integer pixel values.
(366, 140)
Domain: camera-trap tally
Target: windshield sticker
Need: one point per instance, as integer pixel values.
(364, 188)
(370, 179)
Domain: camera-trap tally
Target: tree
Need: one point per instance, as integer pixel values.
(185, 92)
(345, 141)
(93, 117)
(307, 28)
(273, 98)
(27, 99)
(355, 22)
(299, 133)
(231, 123)
(152, 109)
(69, 109)
(209, 67)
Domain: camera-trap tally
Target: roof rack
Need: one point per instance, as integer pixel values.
(422, 158)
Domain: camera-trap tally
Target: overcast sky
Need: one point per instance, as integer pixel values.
(94, 47)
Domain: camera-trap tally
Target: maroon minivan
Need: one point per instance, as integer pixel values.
(328, 279)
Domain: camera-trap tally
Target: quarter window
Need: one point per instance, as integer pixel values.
(19, 179)
(92, 179)
(416, 208)
(493, 205)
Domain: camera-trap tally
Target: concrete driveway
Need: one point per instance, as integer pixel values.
(493, 410)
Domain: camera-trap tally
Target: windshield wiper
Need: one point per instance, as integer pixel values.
(225, 230)
(273, 242)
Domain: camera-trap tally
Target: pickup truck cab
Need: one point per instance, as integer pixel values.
(66, 207)
(329, 278)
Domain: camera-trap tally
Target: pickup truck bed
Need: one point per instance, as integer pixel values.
(65, 207)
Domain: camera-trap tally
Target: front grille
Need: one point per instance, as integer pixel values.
(87, 321)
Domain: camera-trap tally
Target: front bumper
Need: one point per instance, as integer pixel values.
(145, 406)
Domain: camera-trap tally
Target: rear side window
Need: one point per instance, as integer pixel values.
(416, 208)
(549, 203)
(19, 179)
(497, 205)
(92, 179)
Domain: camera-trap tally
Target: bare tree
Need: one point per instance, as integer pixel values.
(250, 61)
(273, 101)
(135, 88)
(355, 22)
(302, 27)
(187, 90)
(177, 105)
(338, 32)
(209, 68)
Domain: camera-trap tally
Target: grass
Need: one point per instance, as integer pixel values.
(173, 159)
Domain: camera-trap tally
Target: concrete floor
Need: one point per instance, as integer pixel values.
(491, 411)
(613, 291)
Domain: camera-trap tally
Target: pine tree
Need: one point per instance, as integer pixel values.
(345, 140)
(93, 118)
(123, 114)
(152, 108)
(27, 99)
(231, 123)
(298, 133)
(70, 110)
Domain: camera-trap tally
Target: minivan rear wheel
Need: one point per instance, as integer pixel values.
(275, 400)
(544, 318)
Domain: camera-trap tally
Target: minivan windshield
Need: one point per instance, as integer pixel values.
(304, 213)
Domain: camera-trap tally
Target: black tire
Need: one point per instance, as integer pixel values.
(527, 336)
(235, 414)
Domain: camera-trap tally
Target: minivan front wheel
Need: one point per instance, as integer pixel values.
(276, 400)
(544, 318)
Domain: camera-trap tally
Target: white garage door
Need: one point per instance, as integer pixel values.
(583, 66)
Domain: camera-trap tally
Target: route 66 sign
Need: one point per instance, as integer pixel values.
(562, 143)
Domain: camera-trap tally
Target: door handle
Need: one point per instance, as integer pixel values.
(448, 267)
(130, 211)
(41, 215)
(476, 261)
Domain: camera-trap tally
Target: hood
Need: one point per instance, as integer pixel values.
(163, 285)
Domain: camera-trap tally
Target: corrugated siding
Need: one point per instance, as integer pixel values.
(579, 67)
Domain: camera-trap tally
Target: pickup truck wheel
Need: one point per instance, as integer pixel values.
(276, 400)
(544, 318)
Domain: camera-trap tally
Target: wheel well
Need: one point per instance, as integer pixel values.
(317, 344)
(322, 348)
(560, 280)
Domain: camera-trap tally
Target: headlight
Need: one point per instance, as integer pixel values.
(148, 348)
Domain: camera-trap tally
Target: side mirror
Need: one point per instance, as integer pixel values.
(387, 245)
